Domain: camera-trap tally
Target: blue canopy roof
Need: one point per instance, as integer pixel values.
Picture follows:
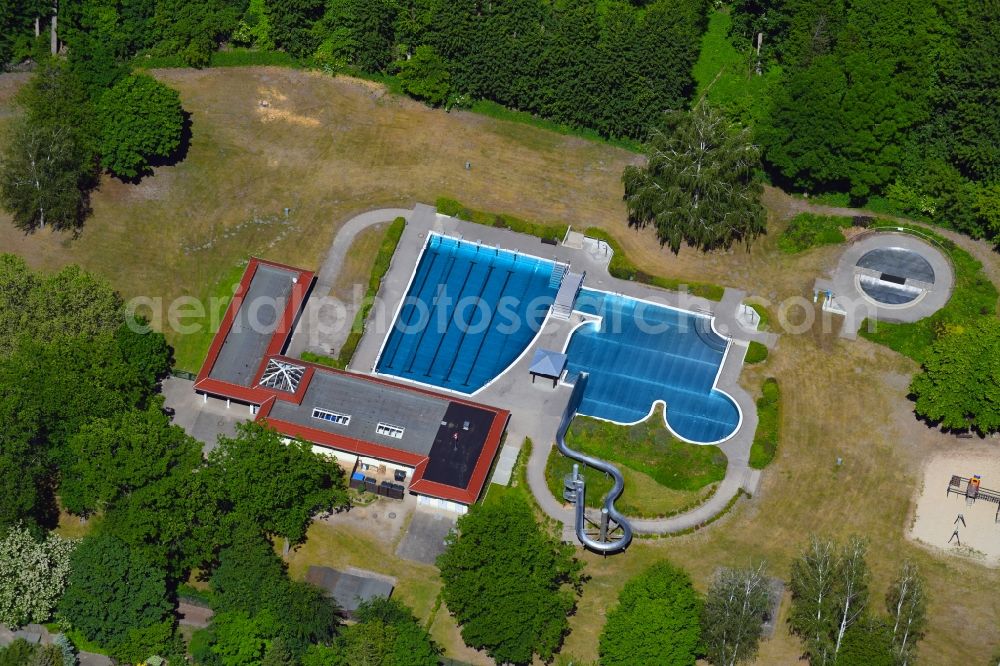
(547, 363)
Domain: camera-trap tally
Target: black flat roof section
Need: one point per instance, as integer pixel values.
(457, 445)
(254, 326)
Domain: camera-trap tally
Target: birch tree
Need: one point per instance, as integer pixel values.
(32, 575)
(813, 583)
(735, 610)
(906, 604)
(852, 591)
(41, 177)
(699, 185)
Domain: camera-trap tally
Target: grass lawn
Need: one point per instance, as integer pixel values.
(359, 260)
(807, 230)
(643, 497)
(648, 447)
(190, 349)
(973, 296)
(663, 475)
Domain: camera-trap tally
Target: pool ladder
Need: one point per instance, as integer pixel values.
(558, 271)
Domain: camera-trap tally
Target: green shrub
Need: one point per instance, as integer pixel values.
(756, 353)
(765, 440)
(806, 231)
(496, 111)
(972, 297)
(623, 269)
(231, 58)
(546, 231)
(329, 361)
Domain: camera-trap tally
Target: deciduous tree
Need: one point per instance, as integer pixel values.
(43, 172)
(425, 76)
(113, 589)
(114, 457)
(699, 185)
(829, 595)
(735, 610)
(273, 485)
(32, 575)
(141, 119)
(906, 603)
(959, 385)
(387, 633)
(656, 621)
(508, 582)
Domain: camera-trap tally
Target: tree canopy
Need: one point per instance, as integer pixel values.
(141, 120)
(273, 485)
(736, 607)
(959, 385)
(508, 582)
(113, 589)
(657, 620)
(32, 575)
(115, 457)
(699, 185)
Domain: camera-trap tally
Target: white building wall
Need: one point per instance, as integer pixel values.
(445, 505)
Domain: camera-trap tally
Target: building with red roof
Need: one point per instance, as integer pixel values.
(441, 447)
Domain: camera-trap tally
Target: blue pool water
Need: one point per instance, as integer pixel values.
(642, 353)
(469, 313)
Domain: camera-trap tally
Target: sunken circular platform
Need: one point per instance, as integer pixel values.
(896, 276)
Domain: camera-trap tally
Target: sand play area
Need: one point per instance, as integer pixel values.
(937, 516)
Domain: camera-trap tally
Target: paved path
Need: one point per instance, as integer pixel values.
(536, 408)
(325, 323)
(203, 418)
(38, 634)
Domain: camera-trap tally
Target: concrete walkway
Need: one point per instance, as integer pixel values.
(326, 322)
(536, 408)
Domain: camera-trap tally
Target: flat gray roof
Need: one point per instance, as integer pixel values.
(246, 343)
(349, 589)
(368, 403)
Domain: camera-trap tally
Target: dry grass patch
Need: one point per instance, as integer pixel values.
(327, 149)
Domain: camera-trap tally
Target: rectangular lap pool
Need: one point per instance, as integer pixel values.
(470, 311)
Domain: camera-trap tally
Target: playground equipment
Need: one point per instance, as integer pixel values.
(972, 489)
(613, 532)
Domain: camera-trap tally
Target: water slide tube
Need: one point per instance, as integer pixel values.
(597, 546)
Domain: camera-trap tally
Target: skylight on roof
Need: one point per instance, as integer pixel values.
(282, 375)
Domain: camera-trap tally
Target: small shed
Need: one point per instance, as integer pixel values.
(350, 588)
(549, 364)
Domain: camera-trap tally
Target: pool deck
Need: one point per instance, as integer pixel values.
(536, 408)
